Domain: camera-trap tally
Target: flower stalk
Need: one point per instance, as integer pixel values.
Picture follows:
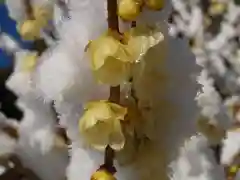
(114, 91)
(28, 9)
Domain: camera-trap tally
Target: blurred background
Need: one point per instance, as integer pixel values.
(7, 97)
(212, 28)
(8, 26)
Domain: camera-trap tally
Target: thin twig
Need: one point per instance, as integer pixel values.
(63, 134)
(114, 91)
(40, 46)
(134, 24)
(112, 15)
(60, 131)
(28, 9)
(114, 94)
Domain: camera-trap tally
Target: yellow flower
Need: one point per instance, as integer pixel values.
(110, 60)
(155, 4)
(29, 29)
(233, 169)
(140, 39)
(42, 15)
(217, 8)
(29, 62)
(129, 9)
(102, 175)
(100, 125)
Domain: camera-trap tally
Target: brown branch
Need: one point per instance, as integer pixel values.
(134, 24)
(108, 160)
(60, 131)
(112, 15)
(40, 46)
(114, 91)
(28, 9)
(114, 26)
(114, 94)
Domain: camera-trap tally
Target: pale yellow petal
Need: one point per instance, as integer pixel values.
(106, 47)
(129, 9)
(99, 110)
(100, 50)
(103, 48)
(217, 8)
(94, 112)
(141, 39)
(29, 29)
(116, 139)
(29, 62)
(113, 72)
(111, 61)
(102, 175)
(91, 118)
(119, 111)
(100, 124)
(107, 108)
(87, 121)
(93, 104)
(98, 135)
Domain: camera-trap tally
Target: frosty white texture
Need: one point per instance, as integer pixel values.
(167, 83)
(218, 54)
(197, 162)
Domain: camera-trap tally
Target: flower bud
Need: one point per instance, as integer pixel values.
(102, 175)
(155, 4)
(29, 30)
(129, 9)
(217, 9)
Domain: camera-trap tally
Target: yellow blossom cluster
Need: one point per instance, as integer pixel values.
(107, 123)
(217, 7)
(102, 175)
(113, 56)
(111, 60)
(130, 9)
(30, 29)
